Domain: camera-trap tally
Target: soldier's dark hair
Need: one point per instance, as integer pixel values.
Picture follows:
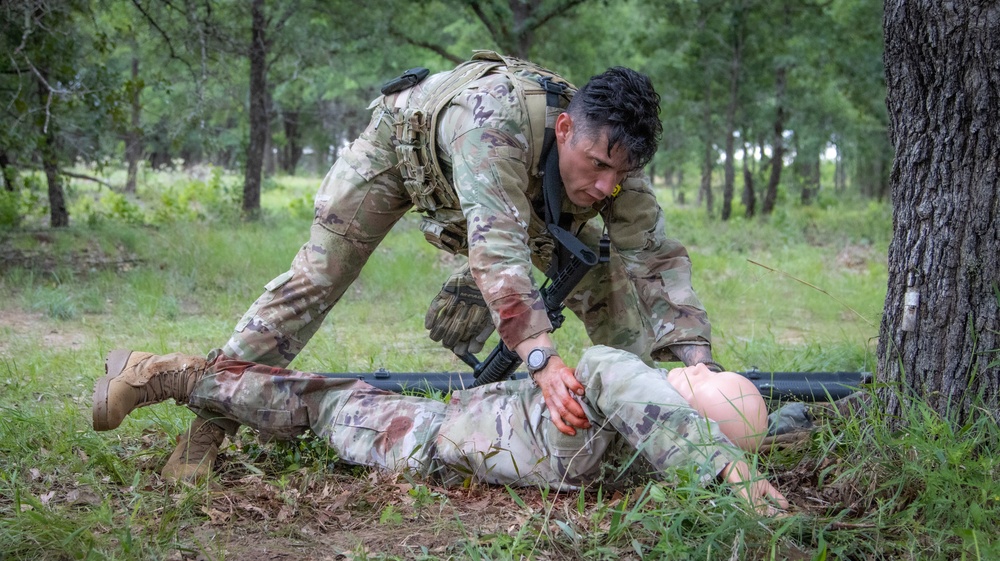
(623, 102)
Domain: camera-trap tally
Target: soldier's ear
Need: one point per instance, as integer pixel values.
(564, 127)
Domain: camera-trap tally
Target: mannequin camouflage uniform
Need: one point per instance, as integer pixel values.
(496, 433)
(463, 148)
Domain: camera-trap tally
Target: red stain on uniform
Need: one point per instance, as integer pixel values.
(397, 429)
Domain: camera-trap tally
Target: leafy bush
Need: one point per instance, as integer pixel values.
(218, 197)
(10, 215)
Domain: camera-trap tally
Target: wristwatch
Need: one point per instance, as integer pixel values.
(538, 358)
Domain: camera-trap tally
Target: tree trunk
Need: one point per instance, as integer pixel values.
(778, 144)
(839, 173)
(807, 166)
(258, 113)
(940, 333)
(735, 67)
(133, 143)
(58, 215)
(7, 173)
(292, 151)
(708, 157)
(730, 172)
(749, 194)
(705, 192)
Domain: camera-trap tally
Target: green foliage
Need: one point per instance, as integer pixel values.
(10, 209)
(217, 197)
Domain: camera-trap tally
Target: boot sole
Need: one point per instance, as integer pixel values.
(114, 364)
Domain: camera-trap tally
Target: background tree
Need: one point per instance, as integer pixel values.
(940, 334)
(57, 97)
(171, 82)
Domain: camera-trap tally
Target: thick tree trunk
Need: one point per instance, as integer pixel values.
(133, 142)
(258, 113)
(778, 143)
(940, 332)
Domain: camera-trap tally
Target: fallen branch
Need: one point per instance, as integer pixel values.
(74, 175)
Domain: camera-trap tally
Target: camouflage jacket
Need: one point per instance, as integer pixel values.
(486, 191)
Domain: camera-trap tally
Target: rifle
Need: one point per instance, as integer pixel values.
(502, 361)
(774, 386)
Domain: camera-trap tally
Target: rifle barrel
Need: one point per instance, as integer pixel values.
(774, 386)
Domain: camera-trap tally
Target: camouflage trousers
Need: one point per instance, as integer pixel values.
(499, 433)
(359, 201)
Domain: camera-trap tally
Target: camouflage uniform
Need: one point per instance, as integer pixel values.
(468, 159)
(498, 433)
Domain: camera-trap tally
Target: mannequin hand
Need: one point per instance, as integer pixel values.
(750, 485)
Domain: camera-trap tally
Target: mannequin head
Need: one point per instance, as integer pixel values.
(727, 398)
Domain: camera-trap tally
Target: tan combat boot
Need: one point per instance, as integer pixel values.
(196, 451)
(136, 379)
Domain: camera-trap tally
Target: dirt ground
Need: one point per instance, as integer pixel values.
(350, 513)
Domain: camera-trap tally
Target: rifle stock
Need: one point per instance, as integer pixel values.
(774, 386)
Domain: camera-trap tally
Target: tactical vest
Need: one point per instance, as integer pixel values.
(419, 110)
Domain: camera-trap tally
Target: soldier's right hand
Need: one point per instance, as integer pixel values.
(559, 389)
(458, 316)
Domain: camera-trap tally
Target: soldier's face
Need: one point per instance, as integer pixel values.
(589, 174)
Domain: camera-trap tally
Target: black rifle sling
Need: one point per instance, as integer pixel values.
(552, 191)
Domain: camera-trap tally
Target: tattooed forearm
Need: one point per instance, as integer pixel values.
(693, 354)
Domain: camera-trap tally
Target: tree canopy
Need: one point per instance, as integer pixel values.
(265, 87)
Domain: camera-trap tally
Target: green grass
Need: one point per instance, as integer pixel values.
(179, 277)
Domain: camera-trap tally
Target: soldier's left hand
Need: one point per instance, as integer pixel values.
(559, 389)
(458, 316)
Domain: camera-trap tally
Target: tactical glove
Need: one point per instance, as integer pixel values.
(458, 316)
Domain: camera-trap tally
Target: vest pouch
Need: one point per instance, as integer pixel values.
(448, 236)
(426, 189)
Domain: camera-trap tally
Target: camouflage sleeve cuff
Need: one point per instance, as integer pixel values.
(724, 455)
(519, 318)
(661, 349)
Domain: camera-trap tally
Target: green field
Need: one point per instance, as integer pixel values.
(173, 271)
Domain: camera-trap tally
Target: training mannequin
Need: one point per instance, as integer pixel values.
(727, 398)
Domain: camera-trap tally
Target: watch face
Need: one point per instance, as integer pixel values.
(536, 358)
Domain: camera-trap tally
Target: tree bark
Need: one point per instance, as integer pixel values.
(58, 215)
(807, 167)
(708, 156)
(940, 333)
(839, 173)
(7, 173)
(133, 142)
(258, 113)
(749, 194)
(778, 143)
(292, 151)
(707, 163)
(735, 67)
